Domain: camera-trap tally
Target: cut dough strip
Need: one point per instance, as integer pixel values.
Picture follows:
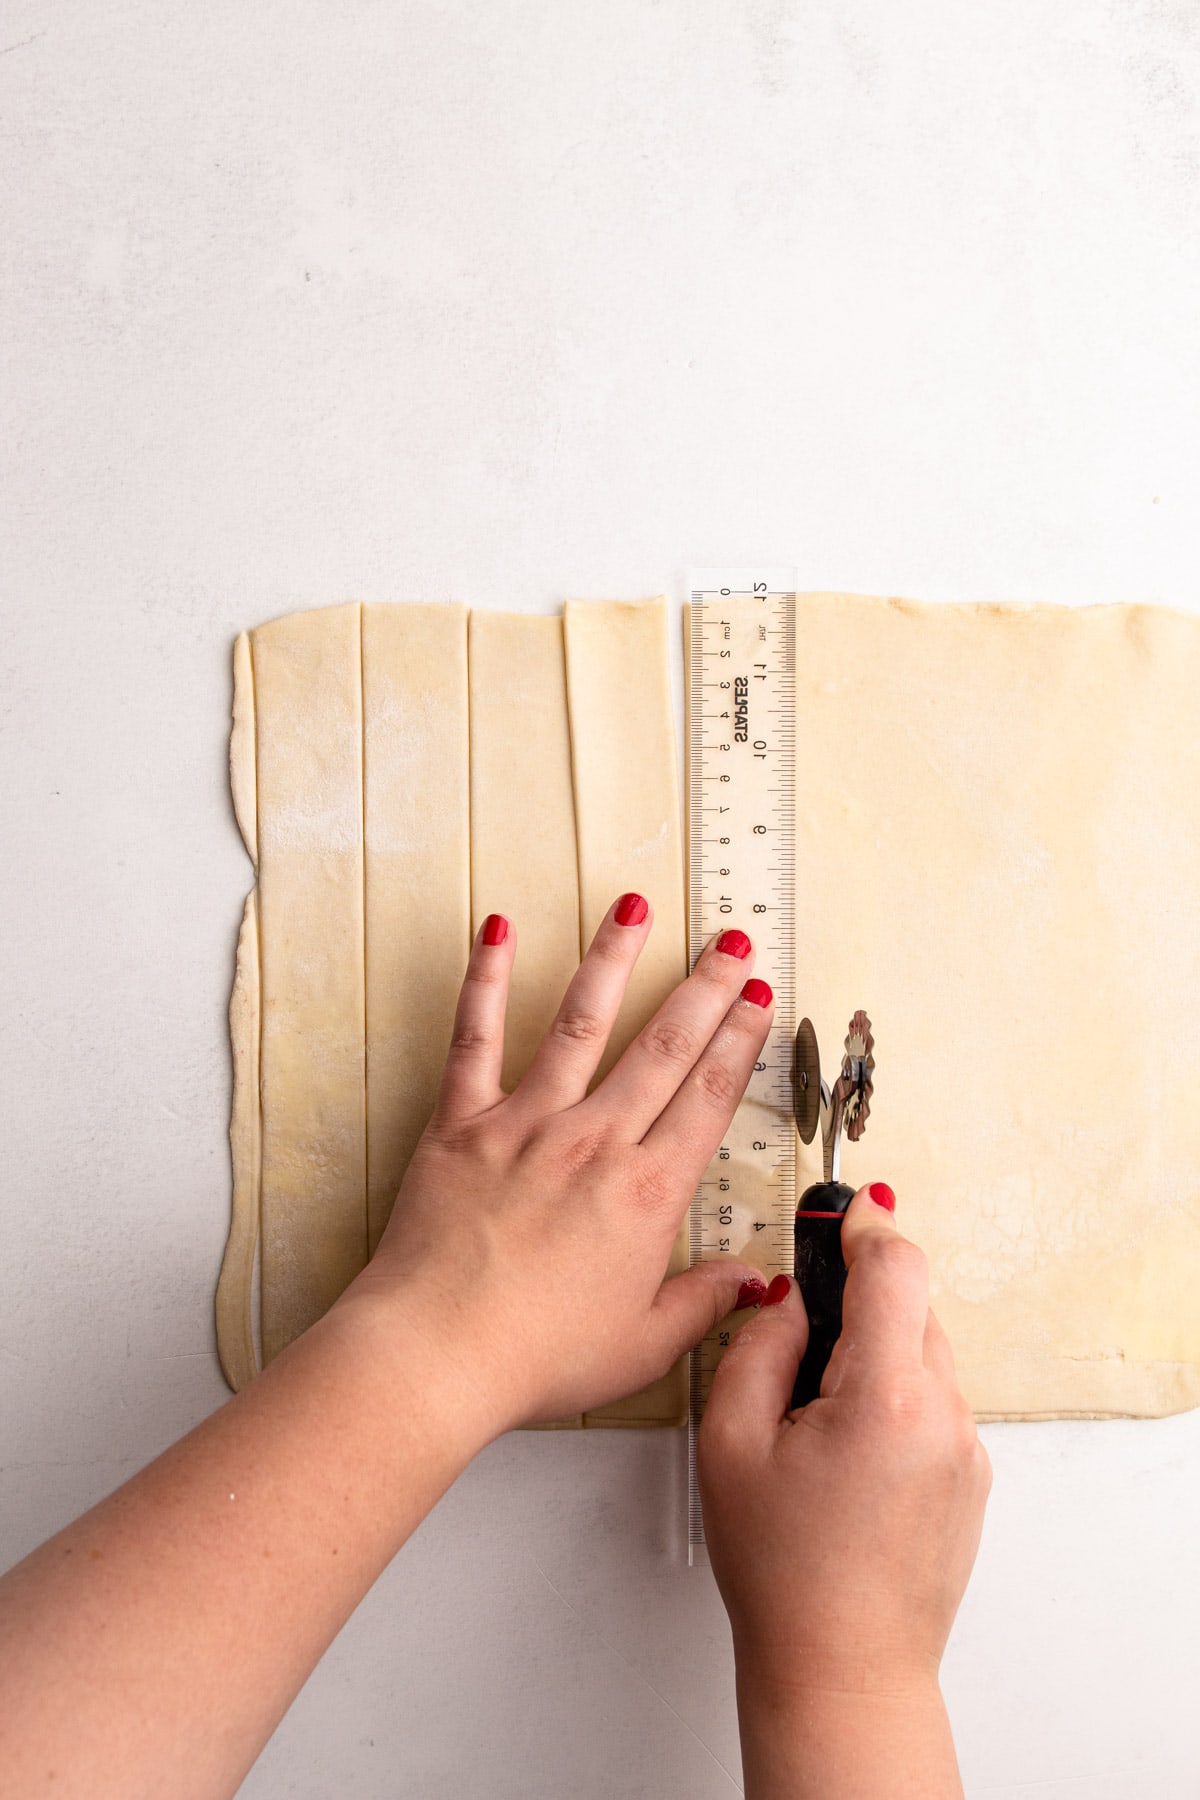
(521, 768)
(310, 897)
(523, 856)
(626, 774)
(418, 860)
(623, 753)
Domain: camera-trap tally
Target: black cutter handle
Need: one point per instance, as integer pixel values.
(821, 1274)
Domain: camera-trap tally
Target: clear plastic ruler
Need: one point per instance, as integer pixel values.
(740, 683)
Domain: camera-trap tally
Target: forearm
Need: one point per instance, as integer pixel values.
(153, 1645)
(805, 1743)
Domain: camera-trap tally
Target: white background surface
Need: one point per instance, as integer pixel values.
(507, 300)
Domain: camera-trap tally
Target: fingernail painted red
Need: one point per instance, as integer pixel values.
(757, 992)
(631, 910)
(882, 1195)
(777, 1291)
(495, 928)
(750, 1293)
(734, 943)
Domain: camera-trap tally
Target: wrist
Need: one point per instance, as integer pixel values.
(841, 1729)
(406, 1341)
(795, 1673)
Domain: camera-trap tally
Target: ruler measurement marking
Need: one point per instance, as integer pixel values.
(741, 834)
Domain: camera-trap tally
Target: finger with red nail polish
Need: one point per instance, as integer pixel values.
(631, 909)
(779, 1289)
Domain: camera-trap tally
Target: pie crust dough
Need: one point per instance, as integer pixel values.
(998, 855)
(417, 818)
(396, 770)
(627, 810)
(312, 1073)
(524, 861)
(998, 850)
(235, 1326)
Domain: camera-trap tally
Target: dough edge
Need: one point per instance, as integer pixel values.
(234, 1299)
(234, 1296)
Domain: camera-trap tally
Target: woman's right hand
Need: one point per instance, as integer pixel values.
(842, 1535)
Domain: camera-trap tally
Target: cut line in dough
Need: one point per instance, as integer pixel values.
(998, 832)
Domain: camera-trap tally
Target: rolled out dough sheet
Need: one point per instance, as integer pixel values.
(396, 769)
(998, 844)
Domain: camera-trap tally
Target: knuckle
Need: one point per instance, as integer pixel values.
(610, 947)
(898, 1258)
(748, 1022)
(712, 970)
(450, 1135)
(581, 1153)
(899, 1401)
(957, 1449)
(964, 1437)
(720, 1438)
(469, 1040)
(671, 1041)
(577, 1026)
(908, 1256)
(649, 1184)
(906, 1263)
(718, 1084)
(481, 975)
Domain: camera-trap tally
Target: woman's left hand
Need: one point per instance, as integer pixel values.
(532, 1230)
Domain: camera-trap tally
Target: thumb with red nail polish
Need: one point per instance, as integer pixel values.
(842, 1534)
